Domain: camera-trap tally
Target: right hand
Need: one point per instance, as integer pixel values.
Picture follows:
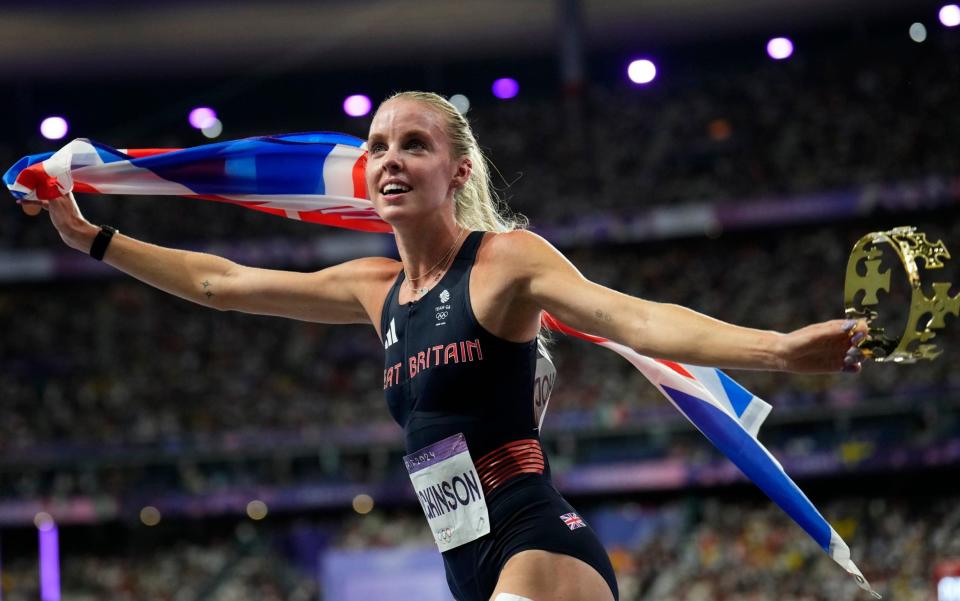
(65, 215)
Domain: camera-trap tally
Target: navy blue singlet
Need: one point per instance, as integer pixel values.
(445, 374)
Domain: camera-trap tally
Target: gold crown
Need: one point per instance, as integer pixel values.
(909, 245)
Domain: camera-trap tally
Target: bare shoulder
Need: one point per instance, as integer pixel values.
(518, 254)
(512, 242)
(371, 269)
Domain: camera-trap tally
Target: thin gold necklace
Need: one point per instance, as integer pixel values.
(411, 279)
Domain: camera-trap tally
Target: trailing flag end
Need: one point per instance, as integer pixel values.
(840, 553)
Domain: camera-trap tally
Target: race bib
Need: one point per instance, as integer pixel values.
(448, 487)
(542, 387)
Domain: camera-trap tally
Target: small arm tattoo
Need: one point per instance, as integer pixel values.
(206, 286)
(603, 315)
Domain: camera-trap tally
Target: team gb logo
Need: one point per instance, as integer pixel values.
(444, 296)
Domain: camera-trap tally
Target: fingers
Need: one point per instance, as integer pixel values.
(31, 208)
(853, 368)
(858, 331)
(854, 326)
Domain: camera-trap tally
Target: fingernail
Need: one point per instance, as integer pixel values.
(853, 368)
(854, 352)
(849, 325)
(858, 337)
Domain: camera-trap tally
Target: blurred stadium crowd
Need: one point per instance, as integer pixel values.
(693, 550)
(138, 369)
(111, 389)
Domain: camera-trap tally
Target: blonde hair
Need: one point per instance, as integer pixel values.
(477, 206)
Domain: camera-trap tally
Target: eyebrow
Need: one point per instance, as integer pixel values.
(415, 132)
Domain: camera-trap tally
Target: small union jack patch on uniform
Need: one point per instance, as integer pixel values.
(573, 520)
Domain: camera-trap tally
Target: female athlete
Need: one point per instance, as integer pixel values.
(459, 317)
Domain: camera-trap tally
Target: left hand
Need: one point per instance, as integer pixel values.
(824, 347)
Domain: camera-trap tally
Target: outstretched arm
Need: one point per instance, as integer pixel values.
(548, 280)
(333, 295)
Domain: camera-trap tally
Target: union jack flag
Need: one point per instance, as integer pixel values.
(573, 520)
(315, 177)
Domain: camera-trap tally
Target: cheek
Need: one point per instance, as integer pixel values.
(370, 179)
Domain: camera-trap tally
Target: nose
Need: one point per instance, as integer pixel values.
(391, 162)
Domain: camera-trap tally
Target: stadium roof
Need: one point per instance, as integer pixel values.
(50, 39)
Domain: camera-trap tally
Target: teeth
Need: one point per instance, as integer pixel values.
(395, 189)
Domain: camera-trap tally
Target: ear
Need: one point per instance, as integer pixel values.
(462, 174)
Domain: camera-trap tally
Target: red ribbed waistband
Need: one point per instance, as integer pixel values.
(508, 461)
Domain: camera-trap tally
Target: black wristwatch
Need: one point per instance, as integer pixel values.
(102, 241)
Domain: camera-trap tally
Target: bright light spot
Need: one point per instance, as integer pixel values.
(49, 543)
(212, 129)
(256, 509)
(779, 48)
(150, 516)
(918, 32)
(202, 116)
(461, 102)
(53, 128)
(948, 589)
(43, 521)
(357, 105)
(950, 15)
(363, 504)
(642, 71)
(505, 88)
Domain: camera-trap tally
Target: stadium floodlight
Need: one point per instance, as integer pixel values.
(212, 129)
(950, 15)
(54, 128)
(642, 71)
(357, 105)
(780, 48)
(505, 88)
(918, 33)
(461, 102)
(202, 116)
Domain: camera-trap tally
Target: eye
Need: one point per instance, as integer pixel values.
(376, 147)
(416, 144)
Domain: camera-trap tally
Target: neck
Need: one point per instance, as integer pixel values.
(423, 244)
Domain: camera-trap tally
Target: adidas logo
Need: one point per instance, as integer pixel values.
(391, 336)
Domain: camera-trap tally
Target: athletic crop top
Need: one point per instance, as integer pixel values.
(445, 374)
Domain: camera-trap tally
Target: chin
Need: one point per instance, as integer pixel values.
(404, 211)
(395, 214)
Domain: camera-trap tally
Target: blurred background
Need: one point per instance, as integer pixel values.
(720, 155)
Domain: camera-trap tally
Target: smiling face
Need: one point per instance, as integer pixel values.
(410, 168)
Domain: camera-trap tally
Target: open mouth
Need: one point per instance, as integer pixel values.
(394, 190)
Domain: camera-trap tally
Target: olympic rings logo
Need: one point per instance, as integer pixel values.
(442, 315)
(444, 535)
